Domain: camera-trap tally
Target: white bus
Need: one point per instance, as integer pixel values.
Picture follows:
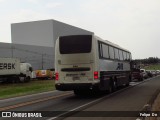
(86, 62)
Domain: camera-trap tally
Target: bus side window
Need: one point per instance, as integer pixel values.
(120, 55)
(105, 51)
(116, 54)
(100, 50)
(128, 57)
(111, 52)
(125, 55)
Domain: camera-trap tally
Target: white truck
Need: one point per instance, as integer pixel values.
(11, 70)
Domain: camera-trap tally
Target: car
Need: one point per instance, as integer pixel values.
(154, 72)
(158, 72)
(145, 75)
(149, 73)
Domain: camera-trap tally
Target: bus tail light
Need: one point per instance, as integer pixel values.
(57, 76)
(95, 74)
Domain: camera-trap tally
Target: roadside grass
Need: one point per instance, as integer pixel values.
(19, 89)
(152, 67)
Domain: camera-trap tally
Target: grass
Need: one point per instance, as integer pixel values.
(152, 67)
(19, 89)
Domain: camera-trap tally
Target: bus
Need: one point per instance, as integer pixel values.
(86, 62)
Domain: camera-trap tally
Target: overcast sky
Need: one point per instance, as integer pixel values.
(132, 24)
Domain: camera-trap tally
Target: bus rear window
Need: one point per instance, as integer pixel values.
(75, 44)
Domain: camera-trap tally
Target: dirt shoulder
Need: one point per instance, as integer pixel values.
(156, 107)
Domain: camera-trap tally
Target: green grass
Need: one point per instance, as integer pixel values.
(19, 89)
(153, 67)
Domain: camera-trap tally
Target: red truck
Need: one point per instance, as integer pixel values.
(137, 74)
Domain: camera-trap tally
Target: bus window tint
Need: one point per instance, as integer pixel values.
(128, 56)
(75, 44)
(100, 50)
(120, 54)
(105, 51)
(124, 55)
(116, 54)
(111, 52)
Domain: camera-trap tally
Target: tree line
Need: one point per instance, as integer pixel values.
(150, 60)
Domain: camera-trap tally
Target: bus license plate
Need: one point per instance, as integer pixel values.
(76, 78)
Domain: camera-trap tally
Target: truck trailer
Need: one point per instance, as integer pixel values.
(12, 70)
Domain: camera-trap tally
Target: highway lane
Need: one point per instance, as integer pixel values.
(32, 97)
(62, 103)
(13, 103)
(132, 99)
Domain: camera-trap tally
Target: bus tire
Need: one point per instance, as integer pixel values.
(127, 84)
(128, 81)
(110, 88)
(114, 85)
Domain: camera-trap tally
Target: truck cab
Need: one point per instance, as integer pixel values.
(25, 72)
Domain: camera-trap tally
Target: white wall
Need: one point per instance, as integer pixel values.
(38, 33)
(42, 33)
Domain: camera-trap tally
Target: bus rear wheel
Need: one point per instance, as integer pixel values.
(112, 86)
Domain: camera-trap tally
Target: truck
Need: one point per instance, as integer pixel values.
(12, 70)
(44, 74)
(137, 74)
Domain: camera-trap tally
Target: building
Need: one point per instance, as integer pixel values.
(39, 57)
(33, 42)
(42, 33)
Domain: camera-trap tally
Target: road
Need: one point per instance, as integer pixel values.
(132, 98)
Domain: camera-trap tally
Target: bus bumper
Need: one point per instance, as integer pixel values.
(68, 87)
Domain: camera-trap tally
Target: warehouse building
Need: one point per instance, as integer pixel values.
(34, 42)
(40, 57)
(42, 33)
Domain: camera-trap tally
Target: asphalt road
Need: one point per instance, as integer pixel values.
(132, 98)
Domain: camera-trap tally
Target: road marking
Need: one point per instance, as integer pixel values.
(33, 102)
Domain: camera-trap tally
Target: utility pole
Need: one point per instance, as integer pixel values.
(42, 61)
(12, 50)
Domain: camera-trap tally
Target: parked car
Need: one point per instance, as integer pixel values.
(158, 72)
(143, 71)
(149, 73)
(137, 74)
(154, 72)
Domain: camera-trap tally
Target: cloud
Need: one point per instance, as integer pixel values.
(130, 24)
(53, 5)
(94, 6)
(33, 1)
(25, 15)
(2, 1)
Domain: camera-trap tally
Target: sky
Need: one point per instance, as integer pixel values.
(132, 24)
